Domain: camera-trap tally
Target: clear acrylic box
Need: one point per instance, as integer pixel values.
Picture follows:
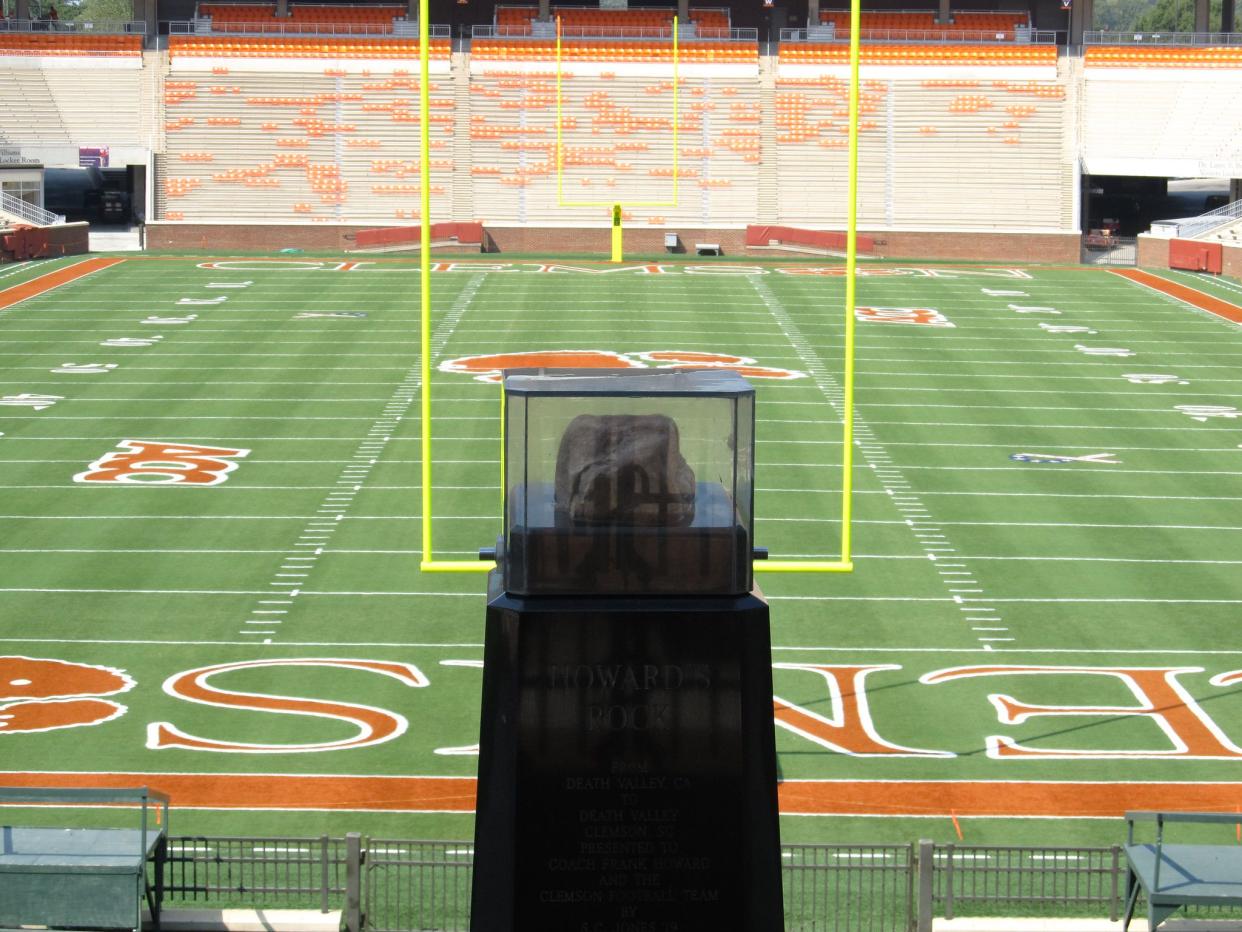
(628, 482)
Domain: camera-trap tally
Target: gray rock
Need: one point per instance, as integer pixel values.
(624, 469)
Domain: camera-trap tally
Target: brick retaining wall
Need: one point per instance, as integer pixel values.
(1057, 248)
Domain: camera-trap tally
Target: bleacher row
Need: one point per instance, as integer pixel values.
(227, 15)
(335, 146)
(618, 51)
(321, 47)
(822, 53)
(68, 44)
(303, 147)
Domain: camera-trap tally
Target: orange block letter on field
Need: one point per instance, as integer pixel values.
(160, 462)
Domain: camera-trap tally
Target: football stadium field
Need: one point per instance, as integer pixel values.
(210, 526)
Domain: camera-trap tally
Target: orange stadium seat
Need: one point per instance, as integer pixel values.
(598, 50)
(899, 54)
(53, 43)
(1130, 56)
(248, 16)
(252, 47)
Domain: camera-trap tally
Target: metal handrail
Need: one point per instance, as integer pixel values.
(1204, 223)
(413, 884)
(206, 27)
(938, 36)
(1136, 37)
(129, 27)
(31, 213)
(524, 31)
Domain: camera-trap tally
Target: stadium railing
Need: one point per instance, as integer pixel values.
(93, 27)
(1197, 226)
(307, 873)
(31, 213)
(391, 885)
(955, 36)
(1161, 38)
(987, 879)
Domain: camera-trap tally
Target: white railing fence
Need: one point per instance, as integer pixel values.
(30, 213)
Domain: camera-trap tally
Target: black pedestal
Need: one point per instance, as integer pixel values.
(627, 770)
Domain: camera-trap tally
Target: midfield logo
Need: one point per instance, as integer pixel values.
(162, 462)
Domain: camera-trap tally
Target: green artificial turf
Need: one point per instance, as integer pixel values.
(965, 556)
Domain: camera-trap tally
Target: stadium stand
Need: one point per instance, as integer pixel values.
(303, 146)
(971, 125)
(64, 103)
(1152, 115)
(251, 17)
(928, 149)
(618, 131)
(999, 26)
(757, 138)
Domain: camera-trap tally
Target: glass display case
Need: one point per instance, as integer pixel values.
(628, 482)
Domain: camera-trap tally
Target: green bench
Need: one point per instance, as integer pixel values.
(74, 878)
(1175, 875)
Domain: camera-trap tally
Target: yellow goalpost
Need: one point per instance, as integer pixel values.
(617, 209)
(428, 562)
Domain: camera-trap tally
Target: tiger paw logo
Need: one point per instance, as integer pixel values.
(46, 695)
(160, 462)
(488, 368)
